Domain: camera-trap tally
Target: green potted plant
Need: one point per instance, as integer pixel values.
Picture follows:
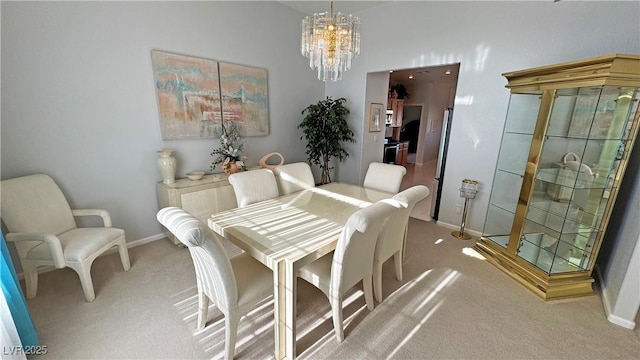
(325, 127)
(398, 91)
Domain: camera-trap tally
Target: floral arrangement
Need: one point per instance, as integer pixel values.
(229, 154)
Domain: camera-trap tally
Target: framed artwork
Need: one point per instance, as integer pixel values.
(195, 95)
(244, 98)
(375, 117)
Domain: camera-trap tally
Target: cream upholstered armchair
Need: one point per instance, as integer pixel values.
(384, 177)
(42, 225)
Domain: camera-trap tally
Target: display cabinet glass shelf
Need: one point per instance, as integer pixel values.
(568, 134)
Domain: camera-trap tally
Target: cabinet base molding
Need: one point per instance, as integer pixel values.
(547, 287)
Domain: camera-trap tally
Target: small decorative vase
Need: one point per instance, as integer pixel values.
(232, 169)
(167, 166)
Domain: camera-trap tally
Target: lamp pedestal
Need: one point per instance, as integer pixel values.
(468, 191)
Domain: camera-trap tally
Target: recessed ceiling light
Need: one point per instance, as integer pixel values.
(448, 72)
(410, 77)
(390, 71)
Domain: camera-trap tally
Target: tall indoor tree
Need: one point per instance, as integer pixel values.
(325, 127)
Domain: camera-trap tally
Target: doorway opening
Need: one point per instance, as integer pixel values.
(410, 130)
(428, 102)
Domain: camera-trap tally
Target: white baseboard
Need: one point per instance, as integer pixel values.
(457, 227)
(148, 239)
(130, 244)
(605, 295)
(631, 325)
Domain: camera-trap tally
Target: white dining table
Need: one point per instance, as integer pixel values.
(289, 232)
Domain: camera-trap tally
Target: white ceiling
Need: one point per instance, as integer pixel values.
(435, 74)
(345, 7)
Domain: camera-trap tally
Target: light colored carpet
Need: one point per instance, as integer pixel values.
(451, 305)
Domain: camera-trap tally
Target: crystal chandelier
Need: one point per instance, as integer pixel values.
(330, 42)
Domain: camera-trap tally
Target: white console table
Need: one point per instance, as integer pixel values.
(201, 198)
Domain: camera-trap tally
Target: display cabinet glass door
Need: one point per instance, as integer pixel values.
(586, 137)
(512, 161)
(573, 172)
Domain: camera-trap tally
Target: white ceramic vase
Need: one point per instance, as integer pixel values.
(167, 166)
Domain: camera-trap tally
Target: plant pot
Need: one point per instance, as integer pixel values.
(231, 169)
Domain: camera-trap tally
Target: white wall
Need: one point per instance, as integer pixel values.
(434, 98)
(619, 257)
(78, 97)
(487, 39)
(376, 92)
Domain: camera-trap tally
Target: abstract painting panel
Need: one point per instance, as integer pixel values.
(195, 95)
(244, 98)
(188, 95)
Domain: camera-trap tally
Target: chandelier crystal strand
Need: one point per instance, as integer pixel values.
(330, 42)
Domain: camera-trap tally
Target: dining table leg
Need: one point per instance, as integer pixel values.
(285, 309)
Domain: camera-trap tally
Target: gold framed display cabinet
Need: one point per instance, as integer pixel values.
(569, 131)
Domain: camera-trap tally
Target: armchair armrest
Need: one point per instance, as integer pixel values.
(104, 214)
(51, 240)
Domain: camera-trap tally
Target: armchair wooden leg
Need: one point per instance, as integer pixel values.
(84, 273)
(124, 255)
(30, 280)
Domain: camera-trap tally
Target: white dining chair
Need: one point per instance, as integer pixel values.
(43, 226)
(351, 262)
(254, 186)
(235, 285)
(392, 238)
(384, 177)
(294, 177)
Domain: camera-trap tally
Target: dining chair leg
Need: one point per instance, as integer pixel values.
(203, 309)
(336, 308)
(368, 291)
(397, 260)
(231, 333)
(404, 244)
(377, 280)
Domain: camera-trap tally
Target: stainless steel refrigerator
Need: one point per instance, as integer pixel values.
(438, 180)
